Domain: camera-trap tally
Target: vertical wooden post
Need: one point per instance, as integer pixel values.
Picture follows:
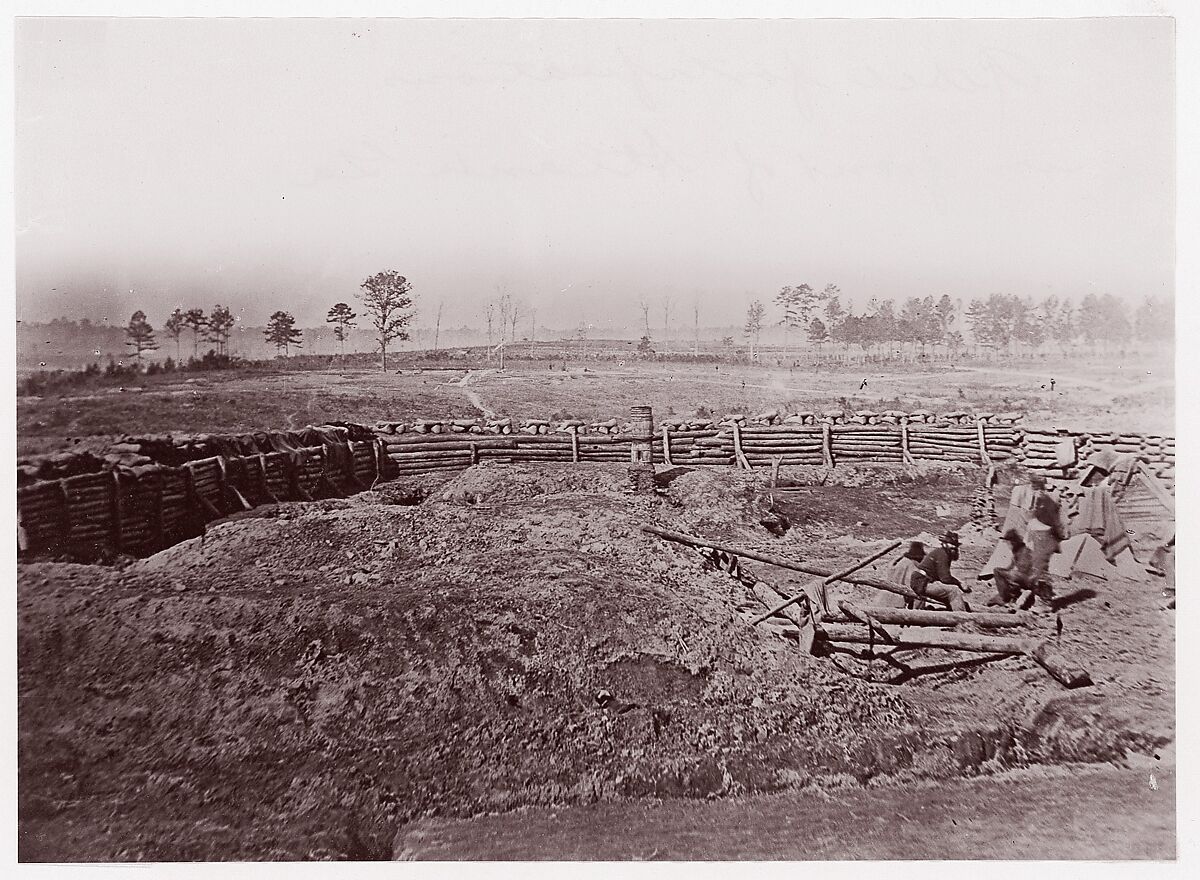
(223, 480)
(67, 523)
(983, 453)
(380, 453)
(192, 496)
(738, 454)
(158, 511)
(827, 443)
(905, 453)
(475, 453)
(574, 432)
(667, 447)
(116, 510)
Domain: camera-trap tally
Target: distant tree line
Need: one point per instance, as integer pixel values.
(1005, 323)
(386, 297)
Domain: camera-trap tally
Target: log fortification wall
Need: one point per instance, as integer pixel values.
(147, 493)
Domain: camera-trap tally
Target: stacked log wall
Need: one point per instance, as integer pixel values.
(151, 492)
(142, 509)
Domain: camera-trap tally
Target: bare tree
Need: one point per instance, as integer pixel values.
(437, 327)
(513, 317)
(489, 313)
(532, 329)
(666, 304)
(754, 325)
(506, 308)
(644, 305)
(696, 339)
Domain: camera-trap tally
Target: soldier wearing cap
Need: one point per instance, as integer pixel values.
(933, 578)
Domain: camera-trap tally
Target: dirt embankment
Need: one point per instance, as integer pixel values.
(306, 678)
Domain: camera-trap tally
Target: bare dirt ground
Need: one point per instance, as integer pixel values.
(1134, 395)
(308, 678)
(1079, 812)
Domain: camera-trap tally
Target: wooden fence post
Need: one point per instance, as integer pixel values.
(667, 447)
(116, 510)
(159, 509)
(905, 453)
(827, 443)
(66, 507)
(983, 453)
(739, 455)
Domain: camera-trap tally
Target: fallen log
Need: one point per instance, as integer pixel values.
(906, 617)
(803, 568)
(863, 617)
(927, 638)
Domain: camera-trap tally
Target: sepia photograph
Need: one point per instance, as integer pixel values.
(551, 439)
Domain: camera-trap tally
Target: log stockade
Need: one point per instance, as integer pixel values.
(144, 493)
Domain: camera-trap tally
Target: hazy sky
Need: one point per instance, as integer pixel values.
(276, 163)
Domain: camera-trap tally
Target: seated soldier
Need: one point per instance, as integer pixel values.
(1016, 577)
(933, 579)
(901, 574)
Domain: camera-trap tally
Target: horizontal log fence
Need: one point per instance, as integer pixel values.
(152, 492)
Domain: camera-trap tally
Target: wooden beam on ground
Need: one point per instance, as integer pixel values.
(1063, 670)
(906, 617)
(805, 622)
(692, 541)
(863, 617)
(928, 638)
(1045, 653)
(862, 563)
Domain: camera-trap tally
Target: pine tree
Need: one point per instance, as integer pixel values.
(342, 318)
(282, 333)
(141, 334)
(195, 321)
(174, 328)
(220, 325)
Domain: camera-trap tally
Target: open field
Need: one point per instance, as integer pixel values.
(1135, 396)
